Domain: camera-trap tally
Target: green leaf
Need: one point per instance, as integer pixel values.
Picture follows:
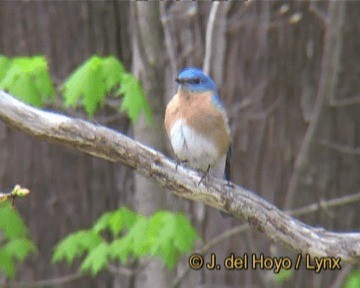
(90, 83)
(44, 84)
(187, 235)
(27, 78)
(75, 245)
(5, 63)
(19, 248)
(15, 244)
(134, 99)
(283, 275)
(172, 235)
(73, 87)
(124, 218)
(116, 221)
(135, 243)
(96, 259)
(353, 280)
(86, 83)
(165, 235)
(103, 222)
(137, 237)
(120, 249)
(11, 223)
(94, 91)
(7, 264)
(22, 86)
(162, 230)
(112, 71)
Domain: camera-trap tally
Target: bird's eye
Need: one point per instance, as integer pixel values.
(196, 80)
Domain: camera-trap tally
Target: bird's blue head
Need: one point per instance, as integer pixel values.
(194, 79)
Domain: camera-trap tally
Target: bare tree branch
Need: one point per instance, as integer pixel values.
(110, 145)
(170, 49)
(215, 40)
(344, 102)
(209, 36)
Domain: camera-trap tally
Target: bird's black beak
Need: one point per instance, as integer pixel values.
(180, 81)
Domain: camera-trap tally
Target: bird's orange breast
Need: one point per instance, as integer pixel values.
(200, 113)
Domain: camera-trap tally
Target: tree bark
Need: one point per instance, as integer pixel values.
(147, 66)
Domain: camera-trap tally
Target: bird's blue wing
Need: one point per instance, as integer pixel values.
(227, 174)
(216, 100)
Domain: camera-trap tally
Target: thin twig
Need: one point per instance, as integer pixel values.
(321, 15)
(341, 148)
(17, 191)
(344, 102)
(324, 204)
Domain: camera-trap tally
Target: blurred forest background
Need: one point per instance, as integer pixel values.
(287, 104)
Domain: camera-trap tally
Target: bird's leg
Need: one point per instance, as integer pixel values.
(178, 162)
(229, 184)
(205, 175)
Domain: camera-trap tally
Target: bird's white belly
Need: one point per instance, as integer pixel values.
(191, 146)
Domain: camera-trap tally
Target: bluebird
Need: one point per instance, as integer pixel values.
(197, 125)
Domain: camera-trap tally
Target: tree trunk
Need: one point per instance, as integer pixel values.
(147, 43)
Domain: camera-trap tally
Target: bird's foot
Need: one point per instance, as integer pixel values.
(205, 175)
(229, 184)
(180, 162)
